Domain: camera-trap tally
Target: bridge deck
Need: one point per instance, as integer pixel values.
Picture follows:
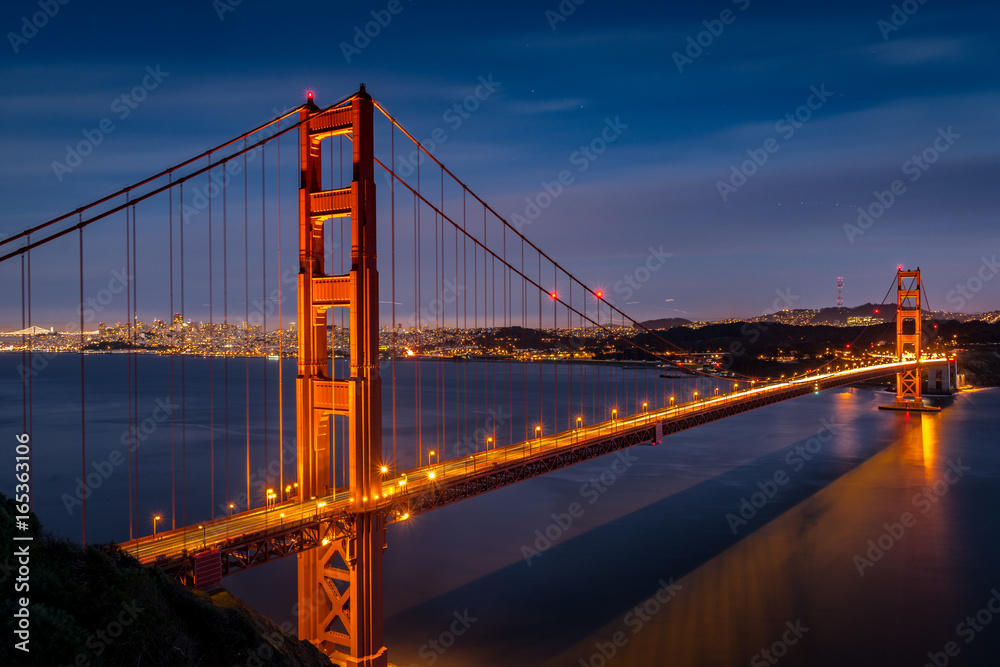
(259, 535)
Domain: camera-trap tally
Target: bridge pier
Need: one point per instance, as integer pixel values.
(340, 582)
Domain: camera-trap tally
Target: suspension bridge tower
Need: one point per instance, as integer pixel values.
(340, 582)
(908, 319)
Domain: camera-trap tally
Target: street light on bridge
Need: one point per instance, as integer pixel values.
(155, 519)
(430, 454)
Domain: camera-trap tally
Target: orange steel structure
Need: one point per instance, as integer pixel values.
(340, 582)
(908, 316)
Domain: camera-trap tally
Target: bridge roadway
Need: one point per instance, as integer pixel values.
(251, 538)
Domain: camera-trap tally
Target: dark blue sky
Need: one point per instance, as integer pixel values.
(887, 92)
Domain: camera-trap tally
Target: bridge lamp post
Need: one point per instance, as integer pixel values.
(434, 454)
(231, 510)
(155, 519)
(645, 405)
(204, 537)
(671, 401)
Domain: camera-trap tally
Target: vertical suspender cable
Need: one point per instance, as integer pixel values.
(133, 280)
(183, 372)
(83, 398)
(281, 350)
(211, 357)
(246, 317)
(173, 351)
(128, 378)
(263, 290)
(225, 324)
(392, 254)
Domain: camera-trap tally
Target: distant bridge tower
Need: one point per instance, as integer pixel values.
(840, 292)
(908, 316)
(340, 583)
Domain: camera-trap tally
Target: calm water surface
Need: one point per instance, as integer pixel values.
(865, 538)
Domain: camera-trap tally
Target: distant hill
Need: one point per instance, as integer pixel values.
(665, 323)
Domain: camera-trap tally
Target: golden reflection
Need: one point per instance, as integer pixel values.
(929, 442)
(841, 562)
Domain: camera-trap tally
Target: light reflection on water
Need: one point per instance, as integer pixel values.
(797, 567)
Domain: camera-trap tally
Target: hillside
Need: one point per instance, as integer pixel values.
(99, 606)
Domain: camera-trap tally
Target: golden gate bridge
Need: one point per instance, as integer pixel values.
(468, 269)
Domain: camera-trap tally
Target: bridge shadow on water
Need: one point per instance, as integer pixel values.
(791, 566)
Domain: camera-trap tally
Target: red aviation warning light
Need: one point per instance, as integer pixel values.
(553, 295)
(599, 294)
